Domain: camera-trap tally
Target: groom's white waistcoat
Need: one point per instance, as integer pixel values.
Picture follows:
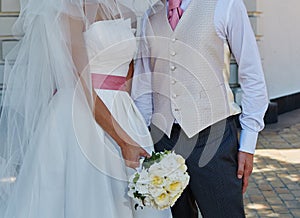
(190, 70)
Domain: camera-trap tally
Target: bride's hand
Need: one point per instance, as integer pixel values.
(132, 153)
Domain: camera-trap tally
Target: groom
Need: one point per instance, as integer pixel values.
(189, 44)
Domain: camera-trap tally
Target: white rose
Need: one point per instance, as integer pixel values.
(158, 169)
(173, 199)
(186, 180)
(144, 177)
(177, 182)
(157, 180)
(174, 186)
(180, 159)
(170, 162)
(142, 188)
(163, 200)
(156, 191)
(130, 192)
(142, 183)
(183, 168)
(148, 202)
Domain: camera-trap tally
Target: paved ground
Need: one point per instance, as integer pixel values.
(274, 189)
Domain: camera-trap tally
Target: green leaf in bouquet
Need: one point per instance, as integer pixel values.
(155, 158)
(166, 152)
(139, 196)
(136, 178)
(136, 206)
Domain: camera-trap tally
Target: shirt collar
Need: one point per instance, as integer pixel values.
(184, 5)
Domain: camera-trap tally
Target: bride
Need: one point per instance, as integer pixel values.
(68, 126)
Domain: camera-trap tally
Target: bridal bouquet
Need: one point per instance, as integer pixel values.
(160, 182)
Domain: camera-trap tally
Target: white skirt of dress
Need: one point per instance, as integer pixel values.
(73, 170)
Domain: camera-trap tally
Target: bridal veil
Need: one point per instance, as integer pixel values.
(49, 56)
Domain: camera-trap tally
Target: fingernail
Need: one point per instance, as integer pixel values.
(240, 176)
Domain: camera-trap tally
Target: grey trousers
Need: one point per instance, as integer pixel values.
(211, 157)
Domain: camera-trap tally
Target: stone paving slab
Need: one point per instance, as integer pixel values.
(274, 189)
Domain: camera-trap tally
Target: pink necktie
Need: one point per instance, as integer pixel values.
(174, 12)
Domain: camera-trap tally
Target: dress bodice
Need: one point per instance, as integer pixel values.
(111, 45)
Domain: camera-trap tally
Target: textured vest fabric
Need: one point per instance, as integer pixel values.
(190, 70)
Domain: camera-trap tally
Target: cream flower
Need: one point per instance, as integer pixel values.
(158, 169)
(155, 191)
(170, 162)
(161, 182)
(180, 160)
(174, 186)
(174, 199)
(162, 200)
(156, 180)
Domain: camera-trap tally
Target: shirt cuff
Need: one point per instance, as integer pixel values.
(248, 140)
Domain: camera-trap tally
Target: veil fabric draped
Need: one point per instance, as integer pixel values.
(44, 61)
(40, 64)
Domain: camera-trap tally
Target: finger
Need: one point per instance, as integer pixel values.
(132, 164)
(144, 153)
(241, 168)
(247, 173)
(245, 183)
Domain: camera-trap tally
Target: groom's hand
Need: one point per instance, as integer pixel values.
(245, 167)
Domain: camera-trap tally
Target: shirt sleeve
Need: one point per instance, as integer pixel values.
(243, 45)
(141, 90)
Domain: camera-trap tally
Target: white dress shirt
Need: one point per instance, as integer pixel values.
(232, 25)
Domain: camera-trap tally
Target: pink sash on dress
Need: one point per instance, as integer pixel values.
(110, 82)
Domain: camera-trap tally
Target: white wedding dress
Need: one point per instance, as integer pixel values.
(68, 171)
